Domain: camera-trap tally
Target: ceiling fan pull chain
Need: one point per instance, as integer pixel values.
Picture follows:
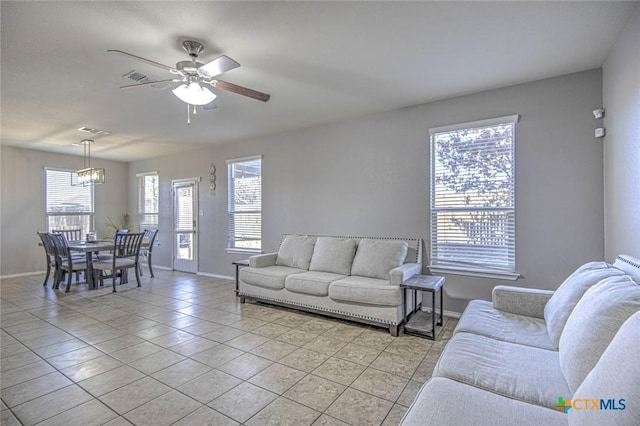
(195, 112)
(188, 116)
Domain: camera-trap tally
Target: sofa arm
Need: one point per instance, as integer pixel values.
(522, 301)
(263, 260)
(404, 272)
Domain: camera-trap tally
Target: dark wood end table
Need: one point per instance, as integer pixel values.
(419, 324)
(239, 263)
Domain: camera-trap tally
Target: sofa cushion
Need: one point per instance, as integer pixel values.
(312, 282)
(269, 277)
(366, 290)
(480, 317)
(615, 376)
(295, 251)
(333, 255)
(516, 371)
(445, 402)
(593, 324)
(565, 298)
(375, 258)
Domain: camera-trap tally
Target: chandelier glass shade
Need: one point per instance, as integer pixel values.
(89, 175)
(194, 94)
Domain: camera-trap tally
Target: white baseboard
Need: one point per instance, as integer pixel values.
(222, 277)
(24, 274)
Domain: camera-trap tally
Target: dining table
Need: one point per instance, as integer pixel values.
(89, 248)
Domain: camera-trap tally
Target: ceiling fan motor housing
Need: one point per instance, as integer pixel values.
(193, 48)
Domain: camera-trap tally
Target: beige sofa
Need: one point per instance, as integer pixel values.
(355, 278)
(536, 357)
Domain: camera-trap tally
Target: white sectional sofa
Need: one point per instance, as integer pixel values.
(536, 357)
(349, 277)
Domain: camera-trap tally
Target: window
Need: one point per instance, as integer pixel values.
(148, 199)
(245, 203)
(472, 197)
(68, 205)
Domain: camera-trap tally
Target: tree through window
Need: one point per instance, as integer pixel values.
(473, 195)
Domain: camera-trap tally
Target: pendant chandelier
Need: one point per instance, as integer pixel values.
(89, 175)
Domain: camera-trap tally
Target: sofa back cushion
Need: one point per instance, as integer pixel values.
(616, 376)
(593, 323)
(375, 258)
(295, 251)
(565, 298)
(333, 255)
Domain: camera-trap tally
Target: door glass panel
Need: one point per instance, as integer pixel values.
(184, 249)
(184, 209)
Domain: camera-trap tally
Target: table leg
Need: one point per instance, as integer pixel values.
(90, 280)
(441, 306)
(237, 278)
(433, 314)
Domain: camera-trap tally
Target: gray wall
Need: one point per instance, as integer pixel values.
(621, 89)
(22, 210)
(369, 176)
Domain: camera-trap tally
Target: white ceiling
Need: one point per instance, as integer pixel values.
(320, 61)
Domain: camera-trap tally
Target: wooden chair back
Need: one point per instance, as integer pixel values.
(69, 234)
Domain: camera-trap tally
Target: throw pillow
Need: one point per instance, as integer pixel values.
(593, 323)
(630, 265)
(376, 258)
(333, 255)
(565, 298)
(295, 251)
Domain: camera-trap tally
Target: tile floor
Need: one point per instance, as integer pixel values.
(182, 350)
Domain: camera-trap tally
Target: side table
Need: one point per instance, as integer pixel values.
(419, 323)
(239, 263)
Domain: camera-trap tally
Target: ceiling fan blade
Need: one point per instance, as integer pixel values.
(147, 83)
(148, 61)
(218, 66)
(230, 87)
(210, 105)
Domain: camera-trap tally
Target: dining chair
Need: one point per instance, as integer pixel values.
(70, 234)
(147, 250)
(50, 253)
(126, 254)
(67, 263)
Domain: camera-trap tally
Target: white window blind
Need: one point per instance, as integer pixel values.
(148, 199)
(67, 204)
(245, 203)
(473, 196)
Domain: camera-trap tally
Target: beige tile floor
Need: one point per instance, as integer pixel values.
(182, 350)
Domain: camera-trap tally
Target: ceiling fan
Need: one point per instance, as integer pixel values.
(194, 77)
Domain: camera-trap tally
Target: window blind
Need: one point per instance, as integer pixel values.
(473, 195)
(148, 199)
(67, 204)
(245, 203)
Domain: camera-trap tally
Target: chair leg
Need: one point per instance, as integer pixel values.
(113, 277)
(137, 268)
(150, 268)
(69, 278)
(44, 284)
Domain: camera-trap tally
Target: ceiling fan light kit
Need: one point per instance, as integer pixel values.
(194, 94)
(193, 75)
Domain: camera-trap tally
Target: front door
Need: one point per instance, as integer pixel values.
(185, 220)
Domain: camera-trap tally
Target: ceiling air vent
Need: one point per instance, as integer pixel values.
(94, 132)
(140, 77)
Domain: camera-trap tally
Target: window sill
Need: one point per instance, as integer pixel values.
(243, 251)
(473, 272)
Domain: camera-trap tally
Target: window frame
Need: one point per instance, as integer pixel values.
(142, 201)
(462, 265)
(232, 239)
(73, 176)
